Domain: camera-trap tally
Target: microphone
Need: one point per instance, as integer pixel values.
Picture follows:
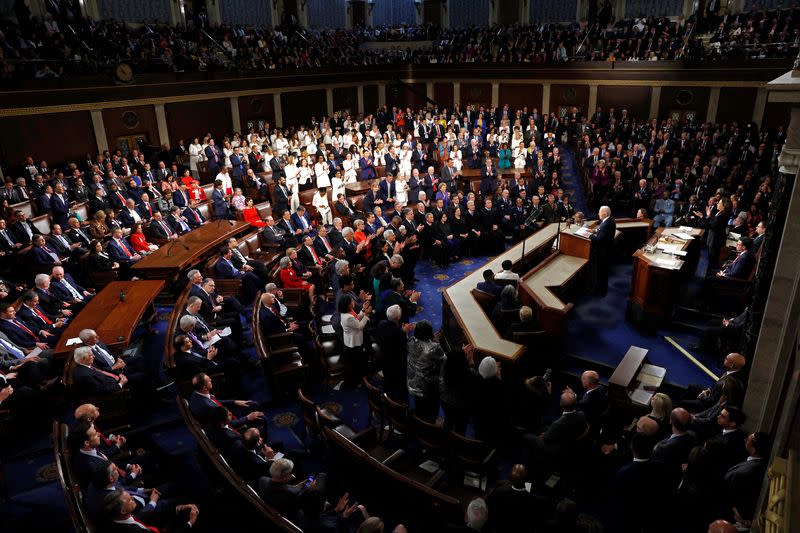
(121, 295)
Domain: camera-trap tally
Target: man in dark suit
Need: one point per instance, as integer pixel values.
(733, 364)
(635, 485)
(159, 229)
(49, 327)
(23, 229)
(190, 215)
(237, 168)
(225, 269)
(488, 284)
(31, 370)
(219, 202)
(62, 245)
(407, 303)
(120, 251)
(743, 481)
(190, 360)
(120, 507)
(559, 439)
(742, 265)
(17, 331)
(202, 404)
(77, 234)
(731, 439)
(213, 157)
(391, 336)
(602, 249)
(8, 242)
(59, 206)
(511, 506)
(594, 402)
(252, 457)
(42, 255)
(673, 451)
(278, 490)
(301, 221)
(88, 380)
(85, 441)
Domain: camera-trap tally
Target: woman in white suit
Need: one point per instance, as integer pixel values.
(353, 325)
(195, 156)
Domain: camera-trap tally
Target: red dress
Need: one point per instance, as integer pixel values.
(139, 243)
(250, 215)
(290, 279)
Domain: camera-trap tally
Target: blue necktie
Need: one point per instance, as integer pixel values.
(19, 354)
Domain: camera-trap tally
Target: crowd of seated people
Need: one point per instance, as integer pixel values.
(361, 259)
(66, 43)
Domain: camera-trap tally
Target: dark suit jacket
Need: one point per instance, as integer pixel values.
(593, 404)
(18, 335)
(40, 257)
(408, 307)
(59, 208)
(116, 253)
(225, 270)
(732, 447)
(191, 219)
(742, 266)
(20, 235)
(630, 496)
(157, 231)
(283, 496)
(90, 382)
(674, 451)
(220, 205)
(201, 407)
(78, 235)
(565, 430)
(743, 485)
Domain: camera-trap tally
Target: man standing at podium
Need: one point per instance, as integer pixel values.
(602, 250)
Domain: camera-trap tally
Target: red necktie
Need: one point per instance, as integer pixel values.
(121, 199)
(145, 526)
(327, 246)
(166, 228)
(197, 218)
(29, 332)
(124, 248)
(150, 210)
(107, 374)
(213, 399)
(104, 439)
(313, 253)
(41, 315)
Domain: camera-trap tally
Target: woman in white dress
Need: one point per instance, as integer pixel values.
(320, 201)
(195, 156)
(281, 145)
(337, 185)
(401, 192)
(293, 183)
(237, 140)
(378, 155)
(455, 155)
(517, 139)
(519, 157)
(227, 151)
(321, 173)
(326, 133)
(349, 167)
(404, 168)
(304, 176)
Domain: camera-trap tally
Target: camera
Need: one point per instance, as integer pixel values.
(547, 375)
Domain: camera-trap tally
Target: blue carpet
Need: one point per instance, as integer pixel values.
(597, 330)
(571, 179)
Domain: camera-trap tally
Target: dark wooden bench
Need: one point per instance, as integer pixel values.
(66, 480)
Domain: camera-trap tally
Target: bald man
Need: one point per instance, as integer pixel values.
(510, 505)
(721, 526)
(674, 450)
(559, 439)
(594, 401)
(733, 364)
(109, 444)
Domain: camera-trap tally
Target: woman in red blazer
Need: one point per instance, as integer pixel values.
(139, 241)
(290, 279)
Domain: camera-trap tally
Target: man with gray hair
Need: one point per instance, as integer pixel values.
(392, 339)
(48, 300)
(272, 233)
(278, 491)
(341, 268)
(88, 380)
(477, 514)
(602, 238)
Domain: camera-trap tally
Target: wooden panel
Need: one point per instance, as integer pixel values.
(776, 114)
(684, 99)
(569, 95)
(298, 107)
(736, 104)
(476, 93)
(125, 121)
(256, 108)
(55, 138)
(370, 99)
(635, 99)
(345, 98)
(443, 94)
(186, 120)
(519, 95)
(407, 95)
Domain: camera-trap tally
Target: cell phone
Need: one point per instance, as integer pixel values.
(308, 482)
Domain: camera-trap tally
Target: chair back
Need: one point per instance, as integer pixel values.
(204, 208)
(430, 436)
(485, 300)
(397, 413)
(42, 223)
(470, 452)
(310, 414)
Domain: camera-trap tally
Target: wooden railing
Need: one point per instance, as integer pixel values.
(776, 516)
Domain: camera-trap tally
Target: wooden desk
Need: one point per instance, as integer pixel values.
(114, 321)
(172, 258)
(461, 313)
(657, 277)
(634, 382)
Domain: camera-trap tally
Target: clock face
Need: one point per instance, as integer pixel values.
(124, 72)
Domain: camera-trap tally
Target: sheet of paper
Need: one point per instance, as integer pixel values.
(666, 263)
(35, 351)
(211, 342)
(654, 370)
(648, 380)
(73, 341)
(640, 396)
(225, 332)
(686, 229)
(683, 236)
(278, 455)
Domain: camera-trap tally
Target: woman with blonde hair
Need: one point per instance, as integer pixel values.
(660, 411)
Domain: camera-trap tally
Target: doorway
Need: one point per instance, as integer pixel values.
(508, 12)
(433, 12)
(358, 14)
